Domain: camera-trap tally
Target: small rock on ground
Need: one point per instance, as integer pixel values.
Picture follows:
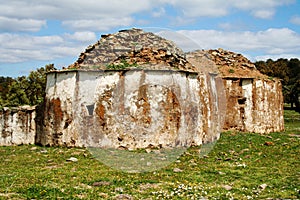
(227, 187)
(72, 159)
(177, 170)
(263, 186)
(101, 183)
(123, 197)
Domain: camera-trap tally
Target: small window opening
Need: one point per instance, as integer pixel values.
(242, 100)
(90, 109)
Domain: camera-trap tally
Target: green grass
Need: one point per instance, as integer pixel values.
(243, 161)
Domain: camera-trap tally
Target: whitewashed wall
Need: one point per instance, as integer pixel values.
(17, 126)
(138, 108)
(131, 109)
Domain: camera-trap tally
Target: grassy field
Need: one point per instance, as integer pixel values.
(240, 166)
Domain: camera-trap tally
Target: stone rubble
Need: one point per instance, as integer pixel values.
(112, 47)
(149, 51)
(234, 65)
(156, 59)
(227, 63)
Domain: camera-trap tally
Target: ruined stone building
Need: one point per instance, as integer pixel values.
(254, 102)
(134, 89)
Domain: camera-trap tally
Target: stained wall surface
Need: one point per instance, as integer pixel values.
(131, 109)
(136, 108)
(17, 126)
(254, 105)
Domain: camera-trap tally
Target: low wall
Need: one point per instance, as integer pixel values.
(17, 125)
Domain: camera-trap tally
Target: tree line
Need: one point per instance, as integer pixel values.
(24, 90)
(30, 90)
(289, 73)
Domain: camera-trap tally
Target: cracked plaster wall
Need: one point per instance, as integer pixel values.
(17, 126)
(254, 105)
(130, 109)
(138, 108)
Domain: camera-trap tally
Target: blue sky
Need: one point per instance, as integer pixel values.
(34, 33)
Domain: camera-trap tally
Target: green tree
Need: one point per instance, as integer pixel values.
(294, 83)
(37, 84)
(5, 83)
(17, 93)
(289, 73)
(24, 90)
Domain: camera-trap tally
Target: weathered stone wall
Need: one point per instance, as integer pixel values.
(254, 102)
(58, 110)
(254, 105)
(17, 126)
(131, 109)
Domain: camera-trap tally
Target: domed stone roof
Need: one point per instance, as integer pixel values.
(135, 48)
(132, 48)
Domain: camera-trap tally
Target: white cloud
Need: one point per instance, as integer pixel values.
(102, 15)
(159, 13)
(226, 26)
(181, 21)
(263, 14)
(72, 9)
(97, 25)
(215, 8)
(269, 43)
(276, 42)
(91, 15)
(181, 40)
(237, 25)
(16, 48)
(15, 41)
(295, 20)
(210, 8)
(26, 25)
(259, 4)
(264, 9)
(85, 36)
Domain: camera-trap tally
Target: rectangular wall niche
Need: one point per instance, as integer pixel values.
(90, 109)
